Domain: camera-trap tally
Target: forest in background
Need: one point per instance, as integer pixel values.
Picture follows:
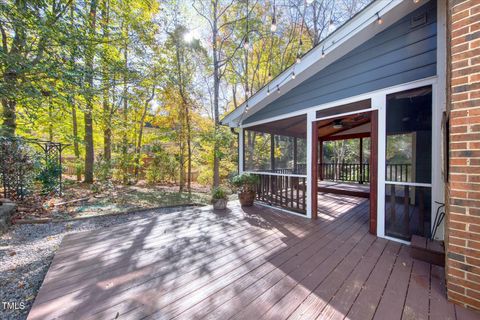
(137, 88)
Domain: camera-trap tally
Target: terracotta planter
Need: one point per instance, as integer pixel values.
(219, 204)
(246, 198)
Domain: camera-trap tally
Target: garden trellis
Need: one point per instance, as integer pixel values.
(29, 166)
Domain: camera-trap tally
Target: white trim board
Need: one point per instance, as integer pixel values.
(276, 174)
(281, 209)
(363, 96)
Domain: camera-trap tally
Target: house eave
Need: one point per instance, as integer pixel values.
(354, 32)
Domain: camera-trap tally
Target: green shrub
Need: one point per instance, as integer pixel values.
(103, 170)
(49, 176)
(245, 182)
(163, 168)
(219, 193)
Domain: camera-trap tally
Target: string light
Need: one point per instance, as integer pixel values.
(331, 25)
(379, 19)
(416, 1)
(273, 27)
(246, 44)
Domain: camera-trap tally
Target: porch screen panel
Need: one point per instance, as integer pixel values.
(289, 155)
(408, 167)
(257, 151)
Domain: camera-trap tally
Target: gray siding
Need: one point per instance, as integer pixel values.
(397, 55)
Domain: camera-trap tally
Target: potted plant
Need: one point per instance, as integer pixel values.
(219, 198)
(246, 184)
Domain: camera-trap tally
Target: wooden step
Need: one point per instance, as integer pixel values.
(431, 251)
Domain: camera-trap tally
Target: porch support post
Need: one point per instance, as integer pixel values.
(312, 153)
(320, 160)
(377, 162)
(241, 149)
(295, 155)
(361, 161)
(272, 151)
(374, 149)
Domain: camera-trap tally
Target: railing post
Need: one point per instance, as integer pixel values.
(272, 152)
(312, 155)
(241, 149)
(361, 161)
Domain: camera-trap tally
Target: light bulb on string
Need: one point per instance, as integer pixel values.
(323, 53)
(273, 27)
(246, 44)
(310, 1)
(278, 88)
(268, 91)
(331, 26)
(299, 59)
(416, 1)
(269, 76)
(293, 75)
(379, 19)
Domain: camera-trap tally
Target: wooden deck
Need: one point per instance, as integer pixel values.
(243, 264)
(345, 188)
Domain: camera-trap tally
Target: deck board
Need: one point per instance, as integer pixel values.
(246, 263)
(371, 292)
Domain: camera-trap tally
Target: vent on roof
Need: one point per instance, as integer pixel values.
(418, 20)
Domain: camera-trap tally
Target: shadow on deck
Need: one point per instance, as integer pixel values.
(244, 263)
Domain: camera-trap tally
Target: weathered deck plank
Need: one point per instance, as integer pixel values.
(417, 304)
(245, 264)
(367, 301)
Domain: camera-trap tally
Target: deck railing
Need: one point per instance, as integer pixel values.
(356, 172)
(350, 172)
(283, 190)
(398, 172)
(300, 169)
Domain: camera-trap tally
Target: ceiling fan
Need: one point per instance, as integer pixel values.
(337, 124)
(348, 123)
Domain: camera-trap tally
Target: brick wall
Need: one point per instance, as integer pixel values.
(463, 190)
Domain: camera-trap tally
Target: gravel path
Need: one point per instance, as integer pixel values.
(27, 250)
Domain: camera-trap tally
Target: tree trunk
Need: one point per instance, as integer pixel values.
(90, 51)
(107, 118)
(71, 100)
(9, 106)
(50, 118)
(189, 150)
(138, 148)
(125, 115)
(216, 93)
(76, 148)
